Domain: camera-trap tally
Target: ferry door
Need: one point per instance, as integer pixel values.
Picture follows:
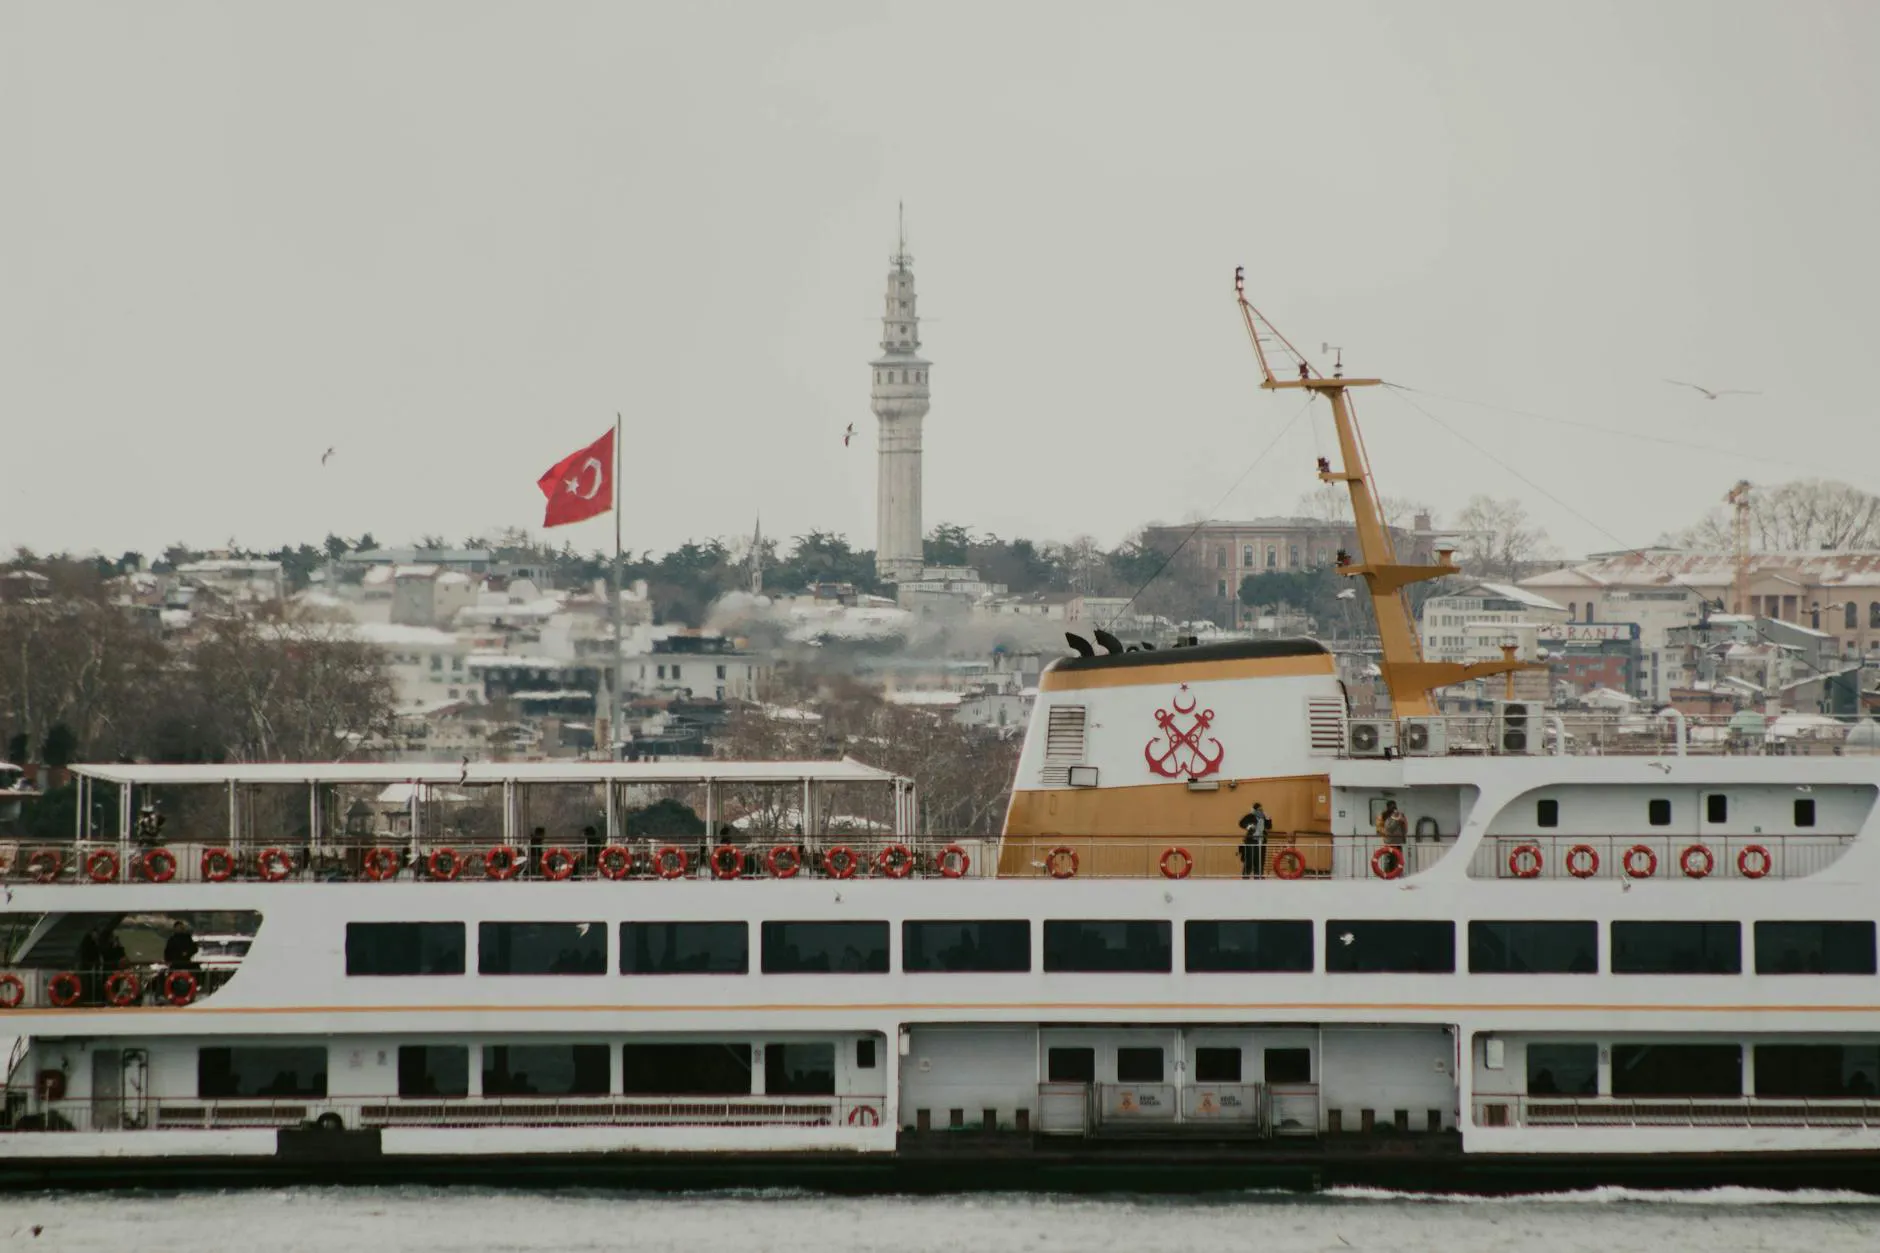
(107, 1089)
(136, 1089)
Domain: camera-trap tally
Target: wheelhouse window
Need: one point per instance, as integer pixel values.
(1233, 945)
(1562, 1069)
(1070, 1065)
(1547, 812)
(1814, 948)
(433, 1070)
(404, 948)
(993, 947)
(1533, 948)
(800, 1068)
(1677, 948)
(1677, 1070)
(1217, 1065)
(296, 1070)
(1139, 1065)
(1817, 1070)
(541, 948)
(702, 1068)
(1288, 1065)
(1105, 946)
(545, 1070)
(685, 948)
(810, 948)
(1390, 947)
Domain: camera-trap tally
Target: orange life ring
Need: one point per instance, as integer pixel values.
(727, 868)
(614, 862)
(381, 864)
(669, 862)
(274, 864)
(558, 863)
(864, 1116)
(1630, 863)
(1396, 862)
(1582, 861)
(64, 989)
(953, 862)
(444, 863)
(12, 991)
(896, 861)
(217, 865)
(1290, 863)
(1187, 862)
(1763, 867)
(1525, 867)
(841, 862)
(45, 864)
(156, 866)
(783, 862)
(1689, 861)
(179, 987)
(1061, 862)
(502, 862)
(102, 866)
(122, 988)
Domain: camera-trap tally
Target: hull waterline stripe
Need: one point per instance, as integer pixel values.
(1503, 1007)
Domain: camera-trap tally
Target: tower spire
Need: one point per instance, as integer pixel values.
(900, 401)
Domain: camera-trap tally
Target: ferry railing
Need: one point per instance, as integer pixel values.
(1646, 857)
(1636, 732)
(1531, 1111)
(128, 986)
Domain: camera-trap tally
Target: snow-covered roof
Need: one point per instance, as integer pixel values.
(1520, 595)
(395, 635)
(484, 773)
(925, 698)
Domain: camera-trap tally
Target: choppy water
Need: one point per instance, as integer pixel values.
(476, 1221)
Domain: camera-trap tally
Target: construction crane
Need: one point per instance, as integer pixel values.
(1738, 500)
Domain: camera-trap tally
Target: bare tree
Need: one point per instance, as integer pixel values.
(1331, 502)
(1496, 538)
(1806, 515)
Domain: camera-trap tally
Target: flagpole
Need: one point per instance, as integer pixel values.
(614, 727)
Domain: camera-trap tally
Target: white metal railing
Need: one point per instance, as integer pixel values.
(1583, 733)
(140, 984)
(1589, 1111)
(1678, 858)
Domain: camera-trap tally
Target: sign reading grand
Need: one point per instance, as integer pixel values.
(1181, 750)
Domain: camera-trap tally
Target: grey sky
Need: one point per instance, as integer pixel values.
(451, 239)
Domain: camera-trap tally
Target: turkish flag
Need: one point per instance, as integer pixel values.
(581, 485)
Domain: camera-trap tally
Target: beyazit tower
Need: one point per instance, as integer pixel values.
(899, 398)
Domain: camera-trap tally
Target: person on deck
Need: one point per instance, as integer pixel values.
(1392, 829)
(179, 950)
(1253, 842)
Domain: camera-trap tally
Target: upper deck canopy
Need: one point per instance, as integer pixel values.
(847, 770)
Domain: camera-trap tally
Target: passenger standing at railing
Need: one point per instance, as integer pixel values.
(1253, 842)
(537, 838)
(1392, 828)
(179, 951)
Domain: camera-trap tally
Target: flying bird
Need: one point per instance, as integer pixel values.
(1712, 395)
(326, 456)
(848, 435)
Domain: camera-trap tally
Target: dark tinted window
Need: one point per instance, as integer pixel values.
(433, 1070)
(1247, 946)
(1217, 1065)
(1825, 1070)
(698, 1069)
(1562, 1069)
(1658, 813)
(1814, 948)
(685, 948)
(805, 948)
(985, 947)
(1805, 812)
(545, 1069)
(404, 948)
(800, 1069)
(275, 1070)
(1357, 947)
(1716, 807)
(1532, 948)
(1071, 1065)
(1547, 813)
(1676, 948)
(541, 948)
(1288, 1065)
(1107, 947)
(1139, 1065)
(865, 1053)
(1677, 1070)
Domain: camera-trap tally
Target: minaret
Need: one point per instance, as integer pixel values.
(899, 398)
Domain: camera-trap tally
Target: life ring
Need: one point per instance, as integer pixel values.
(1524, 861)
(896, 861)
(102, 866)
(1696, 861)
(783, 862)
(841, 862)
(156, 866)
(381, 864)
(559, 863)
(179, 987)
(1395, 870)
(45, 864)
(727, 861)
(1582, 861)
(1290, 863)
(123, 987)
(614, 862)
(669, 862)
(12, 991)
(444, 863)
(1170, 871)
(502, 862)
(217, 865)
(1762, 867)
(953, 862)
(1061, 862)
(64, 989)
(864, 1116)
(1630, 862)
(274, 864)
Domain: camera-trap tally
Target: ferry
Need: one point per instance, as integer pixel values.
(1593, 954)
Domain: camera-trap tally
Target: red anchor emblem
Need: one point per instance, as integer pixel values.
(1180, 754)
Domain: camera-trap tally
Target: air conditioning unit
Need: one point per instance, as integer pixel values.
(1423, 737)
(1517, 727)
(1373, 737)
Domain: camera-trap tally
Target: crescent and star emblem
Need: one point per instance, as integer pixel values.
(574, 484)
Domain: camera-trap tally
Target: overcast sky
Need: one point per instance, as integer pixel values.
(451, 239)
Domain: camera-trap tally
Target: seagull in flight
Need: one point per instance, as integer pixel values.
(848, 435)
(1712, 395)
(326, 456)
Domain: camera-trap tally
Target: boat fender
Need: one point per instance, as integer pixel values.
(157, 866)
(217, 865)
(559, 863)
(444, 863)
(102, 866)
(1639, 862)
(179, 987)
(1061, 862)
(614, 862)
(953, 862)
(381, 864)
(896, 861)
(727, 861)
(1176, 863)
(1757, 868)
(1387, 862)
(1696, 861)
(669, 862)
(783, 862)
(274, 864)
(1290, 863)
(1582, 861)
(12, 991)
(841, 862)
(123, 987)
(64, 989)
(1524, 861)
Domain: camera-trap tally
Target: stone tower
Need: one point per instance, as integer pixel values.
(899, 398)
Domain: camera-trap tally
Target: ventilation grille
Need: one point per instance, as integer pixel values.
(1063, 743)
(1325, 725)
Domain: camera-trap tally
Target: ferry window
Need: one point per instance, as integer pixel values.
(1562, 1069)
(1288, 1065)
(541, 948)
(1533, 948)
(1677, 948)
(1716, 807)
(1107, 947)
(1217, 1065)
(433, 1070)
(685, 948)
(1805, 812)
(1819, 1070)
(800, 1069)
(284, 1070)
(1814, 948)
(1658, 812)
(1247, 946)
(806, 948)
(865, 1053)
(404, 948)
(1074, 1065)
(985, 947)
(1139, 1065)
(545, 1070)
(1677, 1070)
(1356, 947)
(1547, 813)
(696, 1069)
